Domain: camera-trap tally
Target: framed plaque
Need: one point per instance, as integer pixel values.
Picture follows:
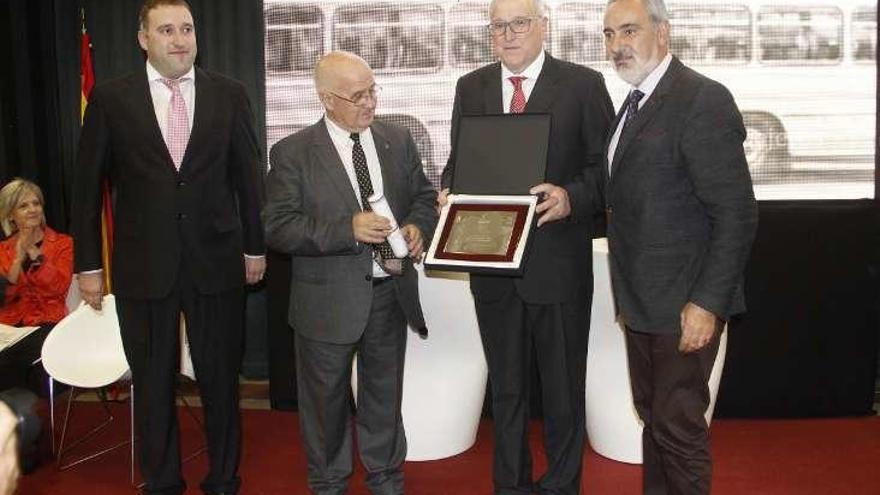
(487, 223)
(482, 234)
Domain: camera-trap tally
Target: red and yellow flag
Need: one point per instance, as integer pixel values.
(87, 75)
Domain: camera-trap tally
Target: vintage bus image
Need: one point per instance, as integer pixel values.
(802, 72)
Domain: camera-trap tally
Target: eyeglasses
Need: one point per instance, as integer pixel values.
(518, 25)
(361, 98)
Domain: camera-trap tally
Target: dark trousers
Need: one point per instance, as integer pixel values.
(16, 362)
(323, 372)
(671, 394)
(509, 327)
(151, 338)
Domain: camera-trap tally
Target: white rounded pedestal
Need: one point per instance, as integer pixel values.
(444, 377)
(613, 427)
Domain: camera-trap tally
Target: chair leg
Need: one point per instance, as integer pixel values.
(52, 412)
(62, 450)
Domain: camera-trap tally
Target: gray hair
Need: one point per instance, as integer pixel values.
(540, 8)
(656, 10)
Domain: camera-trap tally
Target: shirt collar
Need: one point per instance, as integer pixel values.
(153, 74)
(653, 79)
(531, 72)
(338, 133)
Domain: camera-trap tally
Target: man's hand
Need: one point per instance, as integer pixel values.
(369, 227)
(442, 199)
(697, 328)
(254, 268)
(91, 288)
(9, 469)
(414, 241)
(555, 204)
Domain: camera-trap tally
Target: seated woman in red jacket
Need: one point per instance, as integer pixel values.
(37, 263)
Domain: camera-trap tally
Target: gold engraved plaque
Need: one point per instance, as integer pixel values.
(481, 232)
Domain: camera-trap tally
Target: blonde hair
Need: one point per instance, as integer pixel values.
(10, 197)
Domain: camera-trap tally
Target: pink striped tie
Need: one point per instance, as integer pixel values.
(177, 132)
(518, 102)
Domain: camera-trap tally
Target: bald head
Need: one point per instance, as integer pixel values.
(338, 69)
(347, 90)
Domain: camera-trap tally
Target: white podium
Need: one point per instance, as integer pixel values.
(444, 376)
(613, 427)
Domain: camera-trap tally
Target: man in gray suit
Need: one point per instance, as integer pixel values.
(343, 298)
(681, 220)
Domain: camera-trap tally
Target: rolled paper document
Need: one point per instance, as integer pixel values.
(395, 238)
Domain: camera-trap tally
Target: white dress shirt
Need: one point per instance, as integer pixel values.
(531, 74)
(647, 87)
(161, 95)
(344, 146)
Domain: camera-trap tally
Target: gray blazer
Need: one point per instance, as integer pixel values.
(310, 204)
(681, 211)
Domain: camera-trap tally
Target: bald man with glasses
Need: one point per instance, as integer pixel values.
(350, 292)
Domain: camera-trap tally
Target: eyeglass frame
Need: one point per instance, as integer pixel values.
(361, 101)
(509, 25)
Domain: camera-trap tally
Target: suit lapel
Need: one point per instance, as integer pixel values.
(492, 104)
(386, 163)
(646, 113)
(145, 112)
(610, 136)
(328, 158)
(205, 103)
(541, 99)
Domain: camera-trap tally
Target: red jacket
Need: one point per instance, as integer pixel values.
(39, 295)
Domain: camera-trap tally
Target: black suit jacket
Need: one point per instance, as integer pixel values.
(681, 211)
(207, 214)
(559, 263)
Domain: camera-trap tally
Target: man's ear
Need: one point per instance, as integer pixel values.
(142, 39)
(663, 34)
(326, 100)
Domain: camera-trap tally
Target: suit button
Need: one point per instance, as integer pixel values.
(181, 216)
(368, 278)
(181, 183)
(609, 209)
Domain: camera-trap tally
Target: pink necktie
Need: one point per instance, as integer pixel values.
(518, 102)
(177, 132)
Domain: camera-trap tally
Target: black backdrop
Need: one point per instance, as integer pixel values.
(808, 344)
(808, 347)
(40, 88)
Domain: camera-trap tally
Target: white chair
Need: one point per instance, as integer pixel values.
(613, 426)
(84, 351)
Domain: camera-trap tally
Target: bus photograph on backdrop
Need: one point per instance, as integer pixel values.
(803, 73)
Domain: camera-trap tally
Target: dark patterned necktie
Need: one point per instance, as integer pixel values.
(632, 106)
(359, 159)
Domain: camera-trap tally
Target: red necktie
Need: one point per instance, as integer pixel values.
(177, 131)
(518, 102)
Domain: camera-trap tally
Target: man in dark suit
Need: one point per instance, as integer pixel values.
(348, 293)
(179, 147)
(681, 220)
(549, 306)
